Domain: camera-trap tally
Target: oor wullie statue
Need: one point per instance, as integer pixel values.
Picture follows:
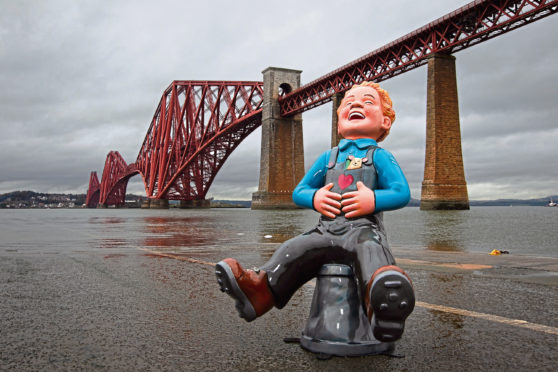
(350, 185)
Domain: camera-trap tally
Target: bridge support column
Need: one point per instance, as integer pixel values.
(155, 204)
(195, 204)
(335, 102)
(282, 150)
(444, 185)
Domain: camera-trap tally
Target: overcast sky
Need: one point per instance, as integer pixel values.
(81, 78)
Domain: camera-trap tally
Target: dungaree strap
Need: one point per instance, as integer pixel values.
(369, 155)
(333, 157)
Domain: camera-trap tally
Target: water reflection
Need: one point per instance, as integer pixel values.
(110, 232)
(112, 243)
(278, 227)
(170, 231)
(444, 326)
(106, 220)
(442, 230)
(114, 255)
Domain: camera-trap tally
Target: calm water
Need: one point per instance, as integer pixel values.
(520, 230)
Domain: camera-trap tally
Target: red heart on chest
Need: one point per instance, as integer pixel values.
(345, 181)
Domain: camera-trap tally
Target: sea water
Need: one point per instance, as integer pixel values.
(519, 230)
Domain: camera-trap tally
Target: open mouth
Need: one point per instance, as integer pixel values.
(356, 115)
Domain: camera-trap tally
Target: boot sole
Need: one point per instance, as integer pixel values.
(393, 299)
(227, 283)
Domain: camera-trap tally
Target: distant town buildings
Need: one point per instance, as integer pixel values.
(31, 199)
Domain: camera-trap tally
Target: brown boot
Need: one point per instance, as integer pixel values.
(249, 288)
(390, 299)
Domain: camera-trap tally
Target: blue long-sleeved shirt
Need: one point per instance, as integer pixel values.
(392, 191)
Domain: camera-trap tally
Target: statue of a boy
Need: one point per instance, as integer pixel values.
(350, 185)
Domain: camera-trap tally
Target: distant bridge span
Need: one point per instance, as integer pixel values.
(198, 124)
(195, 128)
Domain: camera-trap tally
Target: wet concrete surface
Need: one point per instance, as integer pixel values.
(130, 310)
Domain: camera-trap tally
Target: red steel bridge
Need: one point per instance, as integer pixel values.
(198, 124)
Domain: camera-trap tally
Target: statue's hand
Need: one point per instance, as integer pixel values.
(360, 202)
(327, 202)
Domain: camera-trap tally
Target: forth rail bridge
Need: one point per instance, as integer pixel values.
(198, 124)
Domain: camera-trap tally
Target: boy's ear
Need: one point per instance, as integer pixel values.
(386, 123)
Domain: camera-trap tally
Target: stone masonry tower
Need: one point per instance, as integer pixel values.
(444, 185)
(282, 150)
(335, 102)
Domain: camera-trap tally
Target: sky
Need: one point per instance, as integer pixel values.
(81, 78)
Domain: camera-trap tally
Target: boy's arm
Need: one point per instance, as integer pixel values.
(393, 190)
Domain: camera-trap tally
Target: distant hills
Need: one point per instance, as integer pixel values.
(501, 202)
(231, 204)
(416, 203)
(31, 199)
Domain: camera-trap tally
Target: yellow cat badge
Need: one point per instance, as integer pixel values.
(355, 163)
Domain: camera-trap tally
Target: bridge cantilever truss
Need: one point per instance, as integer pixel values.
(471, 24)
(196, 126)
(93, 192)
(115, 179)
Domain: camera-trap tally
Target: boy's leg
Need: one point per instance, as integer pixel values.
(294, 263)
(386, 289)
(247, 287)
(391, 301)
(300, 259)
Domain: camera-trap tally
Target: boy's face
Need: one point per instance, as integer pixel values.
(361, 115)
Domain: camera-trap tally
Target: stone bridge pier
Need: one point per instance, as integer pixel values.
(282, 150)
(444, 185)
